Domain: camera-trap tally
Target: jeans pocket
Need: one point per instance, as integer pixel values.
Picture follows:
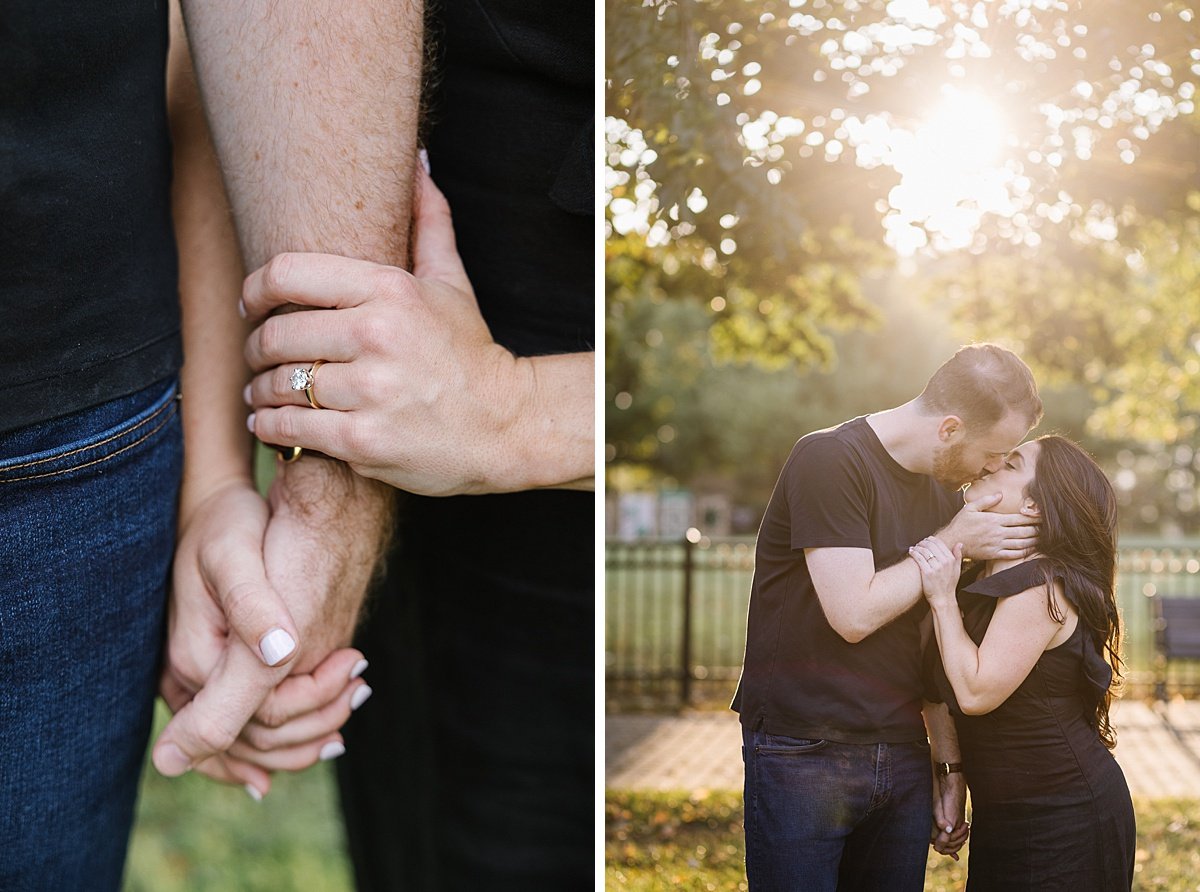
(781, 745)
(89, 439)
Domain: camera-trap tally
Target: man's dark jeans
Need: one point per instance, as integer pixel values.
(87, 509)
(822, 816)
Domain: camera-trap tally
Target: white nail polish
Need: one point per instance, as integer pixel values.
(276, 645)
(246, 394)
(331, 750)
(359, 668)
(424, 156)
(254, 794)
(360, 696)
(250, 422)
(241, 308)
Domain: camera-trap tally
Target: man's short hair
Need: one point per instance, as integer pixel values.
(982, 383)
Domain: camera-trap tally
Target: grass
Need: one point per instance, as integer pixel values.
(193, 835)
(659, 841)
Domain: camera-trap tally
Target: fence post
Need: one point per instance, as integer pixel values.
(685, 651)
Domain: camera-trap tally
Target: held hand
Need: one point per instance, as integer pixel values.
(940, 568)
(415, 391)
(986, 536)
(295, 726)
(211, 680)
(950, 828)
(219, 585)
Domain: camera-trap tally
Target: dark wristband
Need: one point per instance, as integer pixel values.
(941, 769)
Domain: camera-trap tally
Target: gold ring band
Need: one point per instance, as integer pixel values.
(312, 383)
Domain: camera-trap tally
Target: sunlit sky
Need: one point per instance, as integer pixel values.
(960, 160)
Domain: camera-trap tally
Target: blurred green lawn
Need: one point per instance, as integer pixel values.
(193, 835)
(659, 841)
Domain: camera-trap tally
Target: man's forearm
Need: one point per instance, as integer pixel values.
(893, 591)
(943, 735)
(313, 108)
(856, 598)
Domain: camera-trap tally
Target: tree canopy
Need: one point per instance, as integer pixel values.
(1032, 167)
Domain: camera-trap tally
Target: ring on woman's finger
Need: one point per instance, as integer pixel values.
(306, 379)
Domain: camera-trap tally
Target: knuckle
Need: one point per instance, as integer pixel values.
(213, 735)
(258, 737)
(270, 336)
(281, 382)
(387, 282)
(276, 272)
(272, 715)
(358, 436)
(372, 386)
(285, 424)
(370, 334)
(239, 602)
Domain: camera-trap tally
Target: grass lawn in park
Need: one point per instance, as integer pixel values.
(193, 835)
(694, 843)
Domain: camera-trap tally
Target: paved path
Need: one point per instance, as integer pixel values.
(702, 750)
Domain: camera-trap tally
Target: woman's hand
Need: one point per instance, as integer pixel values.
(415, 391)
(940, 569)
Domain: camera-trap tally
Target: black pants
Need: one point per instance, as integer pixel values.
(471, 767)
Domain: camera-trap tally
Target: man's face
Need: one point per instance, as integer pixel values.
(966, 458)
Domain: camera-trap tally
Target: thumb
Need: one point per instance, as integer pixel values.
(986, 502)
(435, 251)
(236, 575)
(212, 720)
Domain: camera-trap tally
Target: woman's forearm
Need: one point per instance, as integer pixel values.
(218, 448)
(959, 654)
(557, 439)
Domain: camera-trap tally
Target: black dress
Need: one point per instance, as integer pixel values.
(1050, 805)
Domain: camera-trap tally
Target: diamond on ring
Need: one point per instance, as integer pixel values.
(301, 379)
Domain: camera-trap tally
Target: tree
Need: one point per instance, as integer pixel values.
(1039, 159)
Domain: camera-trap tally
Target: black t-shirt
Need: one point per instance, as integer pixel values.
(510, 144)
(88, 295)
(839, 488)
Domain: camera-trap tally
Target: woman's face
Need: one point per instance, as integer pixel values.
(1011, 481)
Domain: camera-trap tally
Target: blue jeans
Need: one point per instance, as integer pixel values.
(822, 816)
(87, 509)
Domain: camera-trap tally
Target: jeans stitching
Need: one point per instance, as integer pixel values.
(61, 455)
(883, 779)
(146, 436)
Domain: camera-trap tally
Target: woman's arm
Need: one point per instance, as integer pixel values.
(426, 401)
(1020, 630)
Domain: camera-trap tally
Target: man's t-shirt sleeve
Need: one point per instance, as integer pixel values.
(827, 496)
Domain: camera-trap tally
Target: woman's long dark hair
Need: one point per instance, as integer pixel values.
(1078, 538)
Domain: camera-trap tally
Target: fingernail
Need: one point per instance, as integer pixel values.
(250, 422)
(359, 668)
(276, 644)
(246, 395)
(170, 760)
(254, 794)
(949, 829)
(331, 750)
(424, 156)
(359, 697)
(241, 308)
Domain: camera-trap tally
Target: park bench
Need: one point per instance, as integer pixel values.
(1176, 635)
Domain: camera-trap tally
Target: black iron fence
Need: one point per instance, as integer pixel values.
(675, 616)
